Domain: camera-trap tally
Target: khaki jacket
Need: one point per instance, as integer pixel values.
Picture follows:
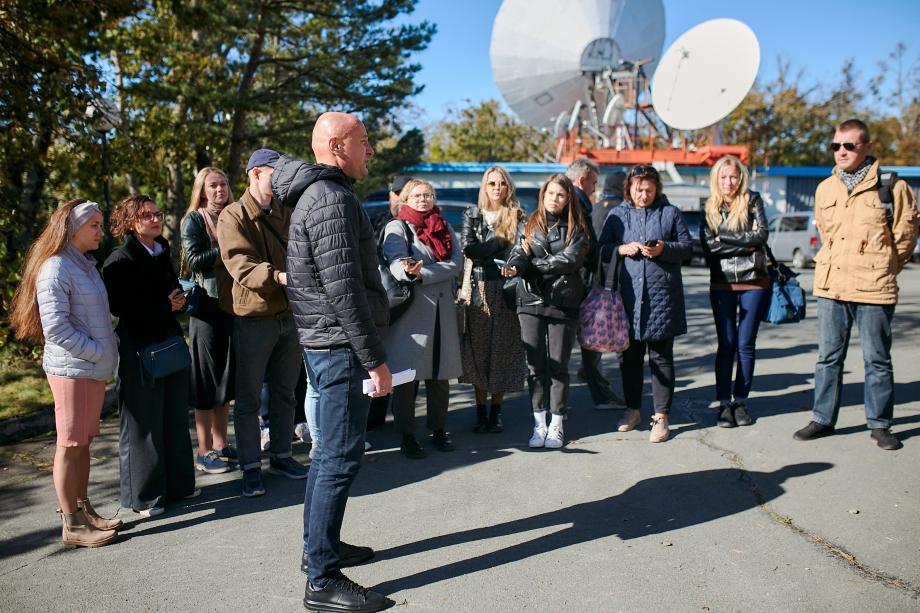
(252, 258)
(860, 257)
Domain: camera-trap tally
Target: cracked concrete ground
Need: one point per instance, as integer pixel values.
(713, 520)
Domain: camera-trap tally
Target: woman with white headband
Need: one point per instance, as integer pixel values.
(62, 301)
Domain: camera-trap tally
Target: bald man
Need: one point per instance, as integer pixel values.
(340, 310)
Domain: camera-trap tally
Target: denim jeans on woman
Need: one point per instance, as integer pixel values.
(337, 376)
(737, 317)
(835, 321)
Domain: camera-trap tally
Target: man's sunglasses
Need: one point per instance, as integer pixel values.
(848, 146)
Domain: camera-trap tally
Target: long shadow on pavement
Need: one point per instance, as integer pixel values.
(651, 506)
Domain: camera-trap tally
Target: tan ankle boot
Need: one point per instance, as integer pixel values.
(629, 421)
(660, 432)
(97, 521)
(78, 532)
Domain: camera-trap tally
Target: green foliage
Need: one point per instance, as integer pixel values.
(483, 133)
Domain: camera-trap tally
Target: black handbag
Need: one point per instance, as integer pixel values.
(163, 358)
(399, 293)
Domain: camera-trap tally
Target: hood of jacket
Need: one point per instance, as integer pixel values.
(292, 177)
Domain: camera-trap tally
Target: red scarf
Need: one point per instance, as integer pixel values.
(430, 228)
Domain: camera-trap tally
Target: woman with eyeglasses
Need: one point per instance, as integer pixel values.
(648, 239)
(422, 248)
(210, 329)
(155, 450)
(62, 303)
(493, 354)
(549, 258)
(734, 237)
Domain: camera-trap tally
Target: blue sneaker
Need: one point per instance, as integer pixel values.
(252, 482)
(211, 463)
(287, 467)
(228, 454)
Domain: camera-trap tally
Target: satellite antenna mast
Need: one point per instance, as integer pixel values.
(581, 69)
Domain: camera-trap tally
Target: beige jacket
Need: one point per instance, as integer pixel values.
(860, 257)
(252, 258)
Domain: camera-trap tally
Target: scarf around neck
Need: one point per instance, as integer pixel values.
(430, 228)
(852, 179)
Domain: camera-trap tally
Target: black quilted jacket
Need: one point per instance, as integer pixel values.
(333, 283)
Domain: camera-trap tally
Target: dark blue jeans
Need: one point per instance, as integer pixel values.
(835, 320)
(737, 316)
(342, 411)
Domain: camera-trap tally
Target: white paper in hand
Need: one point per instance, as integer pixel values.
(403, 376)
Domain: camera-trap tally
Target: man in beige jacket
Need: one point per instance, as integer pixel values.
(864, 247)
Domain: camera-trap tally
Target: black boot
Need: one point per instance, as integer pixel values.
(726, 417)
(482, 421)
(742, 418)
(495, 419)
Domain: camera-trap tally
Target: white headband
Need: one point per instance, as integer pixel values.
(80, 214)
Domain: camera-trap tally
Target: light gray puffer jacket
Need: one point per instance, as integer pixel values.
(74, 307)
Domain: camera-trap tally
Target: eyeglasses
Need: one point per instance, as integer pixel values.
(425, 196)
(643, 171)
(158, 216)
(848, 146)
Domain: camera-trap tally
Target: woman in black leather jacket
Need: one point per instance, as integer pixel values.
(548, 259)
(492, 352)
(734, 239)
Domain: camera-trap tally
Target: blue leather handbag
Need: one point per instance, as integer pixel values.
(787, 303)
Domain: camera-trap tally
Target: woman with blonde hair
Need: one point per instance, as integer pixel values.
(62, 302)
(492, 351)
(210, 328)
(549, 259)
(734, 238)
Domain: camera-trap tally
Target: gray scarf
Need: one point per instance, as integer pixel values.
(852, 179)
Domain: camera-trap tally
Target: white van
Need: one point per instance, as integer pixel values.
(794, 238)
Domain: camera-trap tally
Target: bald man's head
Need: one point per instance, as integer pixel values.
(339, 139)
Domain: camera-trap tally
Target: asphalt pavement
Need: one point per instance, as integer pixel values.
(743, 519)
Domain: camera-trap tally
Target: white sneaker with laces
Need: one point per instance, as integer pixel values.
(539, 436)
(554, 437)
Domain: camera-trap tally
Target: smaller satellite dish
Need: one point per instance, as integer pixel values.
(613, 114)
(705, 74)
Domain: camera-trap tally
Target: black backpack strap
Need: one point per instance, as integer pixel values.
(886, 181)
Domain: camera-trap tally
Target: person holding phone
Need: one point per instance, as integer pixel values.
(492, 351)
(425, 337)
(155, 450)
(651, 238)
(549, 258)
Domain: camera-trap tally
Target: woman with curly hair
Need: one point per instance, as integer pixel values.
(155, 450)
(62, 302)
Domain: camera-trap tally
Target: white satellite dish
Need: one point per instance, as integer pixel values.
(705, 74)
(544, 52)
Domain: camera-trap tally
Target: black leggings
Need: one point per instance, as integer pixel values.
(661, 363)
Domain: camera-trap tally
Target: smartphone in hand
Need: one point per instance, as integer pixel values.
(651, 243)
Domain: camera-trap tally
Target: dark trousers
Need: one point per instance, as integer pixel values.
(154, 447)
(661, 363)
(598, 385)
(737, 317)
(548, 343)
(342, 410)
(437, 395)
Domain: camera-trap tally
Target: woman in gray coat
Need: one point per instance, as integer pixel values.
(420, 246)
(62, 301)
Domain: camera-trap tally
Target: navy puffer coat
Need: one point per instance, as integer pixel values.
(652, 288)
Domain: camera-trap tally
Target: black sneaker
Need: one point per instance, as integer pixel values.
(441, 440)
(742, 417)
(885, 439)
(812, 431)
(349, 555)
(411, 448)
(343, 594)
(726, 417)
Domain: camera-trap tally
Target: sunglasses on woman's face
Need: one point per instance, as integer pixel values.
(643, 171)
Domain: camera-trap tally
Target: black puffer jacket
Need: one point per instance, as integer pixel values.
(480, 244)
(551, 276)
(737, 257)
(333, 284)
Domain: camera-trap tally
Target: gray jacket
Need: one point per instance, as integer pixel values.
(410, 339)
(74, 307)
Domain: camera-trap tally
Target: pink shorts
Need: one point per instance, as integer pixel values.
(77, 407)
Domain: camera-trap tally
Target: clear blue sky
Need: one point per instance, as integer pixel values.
(816, 36)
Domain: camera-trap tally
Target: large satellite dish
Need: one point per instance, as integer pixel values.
(546, 54)
(705, 74)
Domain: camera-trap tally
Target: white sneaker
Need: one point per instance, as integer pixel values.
(150, 512)
(264, 438)
(554, 437)
(539, 436)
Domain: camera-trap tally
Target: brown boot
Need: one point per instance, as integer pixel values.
(78, 532)
(97, 521)
(660, 432)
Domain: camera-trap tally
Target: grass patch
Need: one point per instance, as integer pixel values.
(23, 387)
